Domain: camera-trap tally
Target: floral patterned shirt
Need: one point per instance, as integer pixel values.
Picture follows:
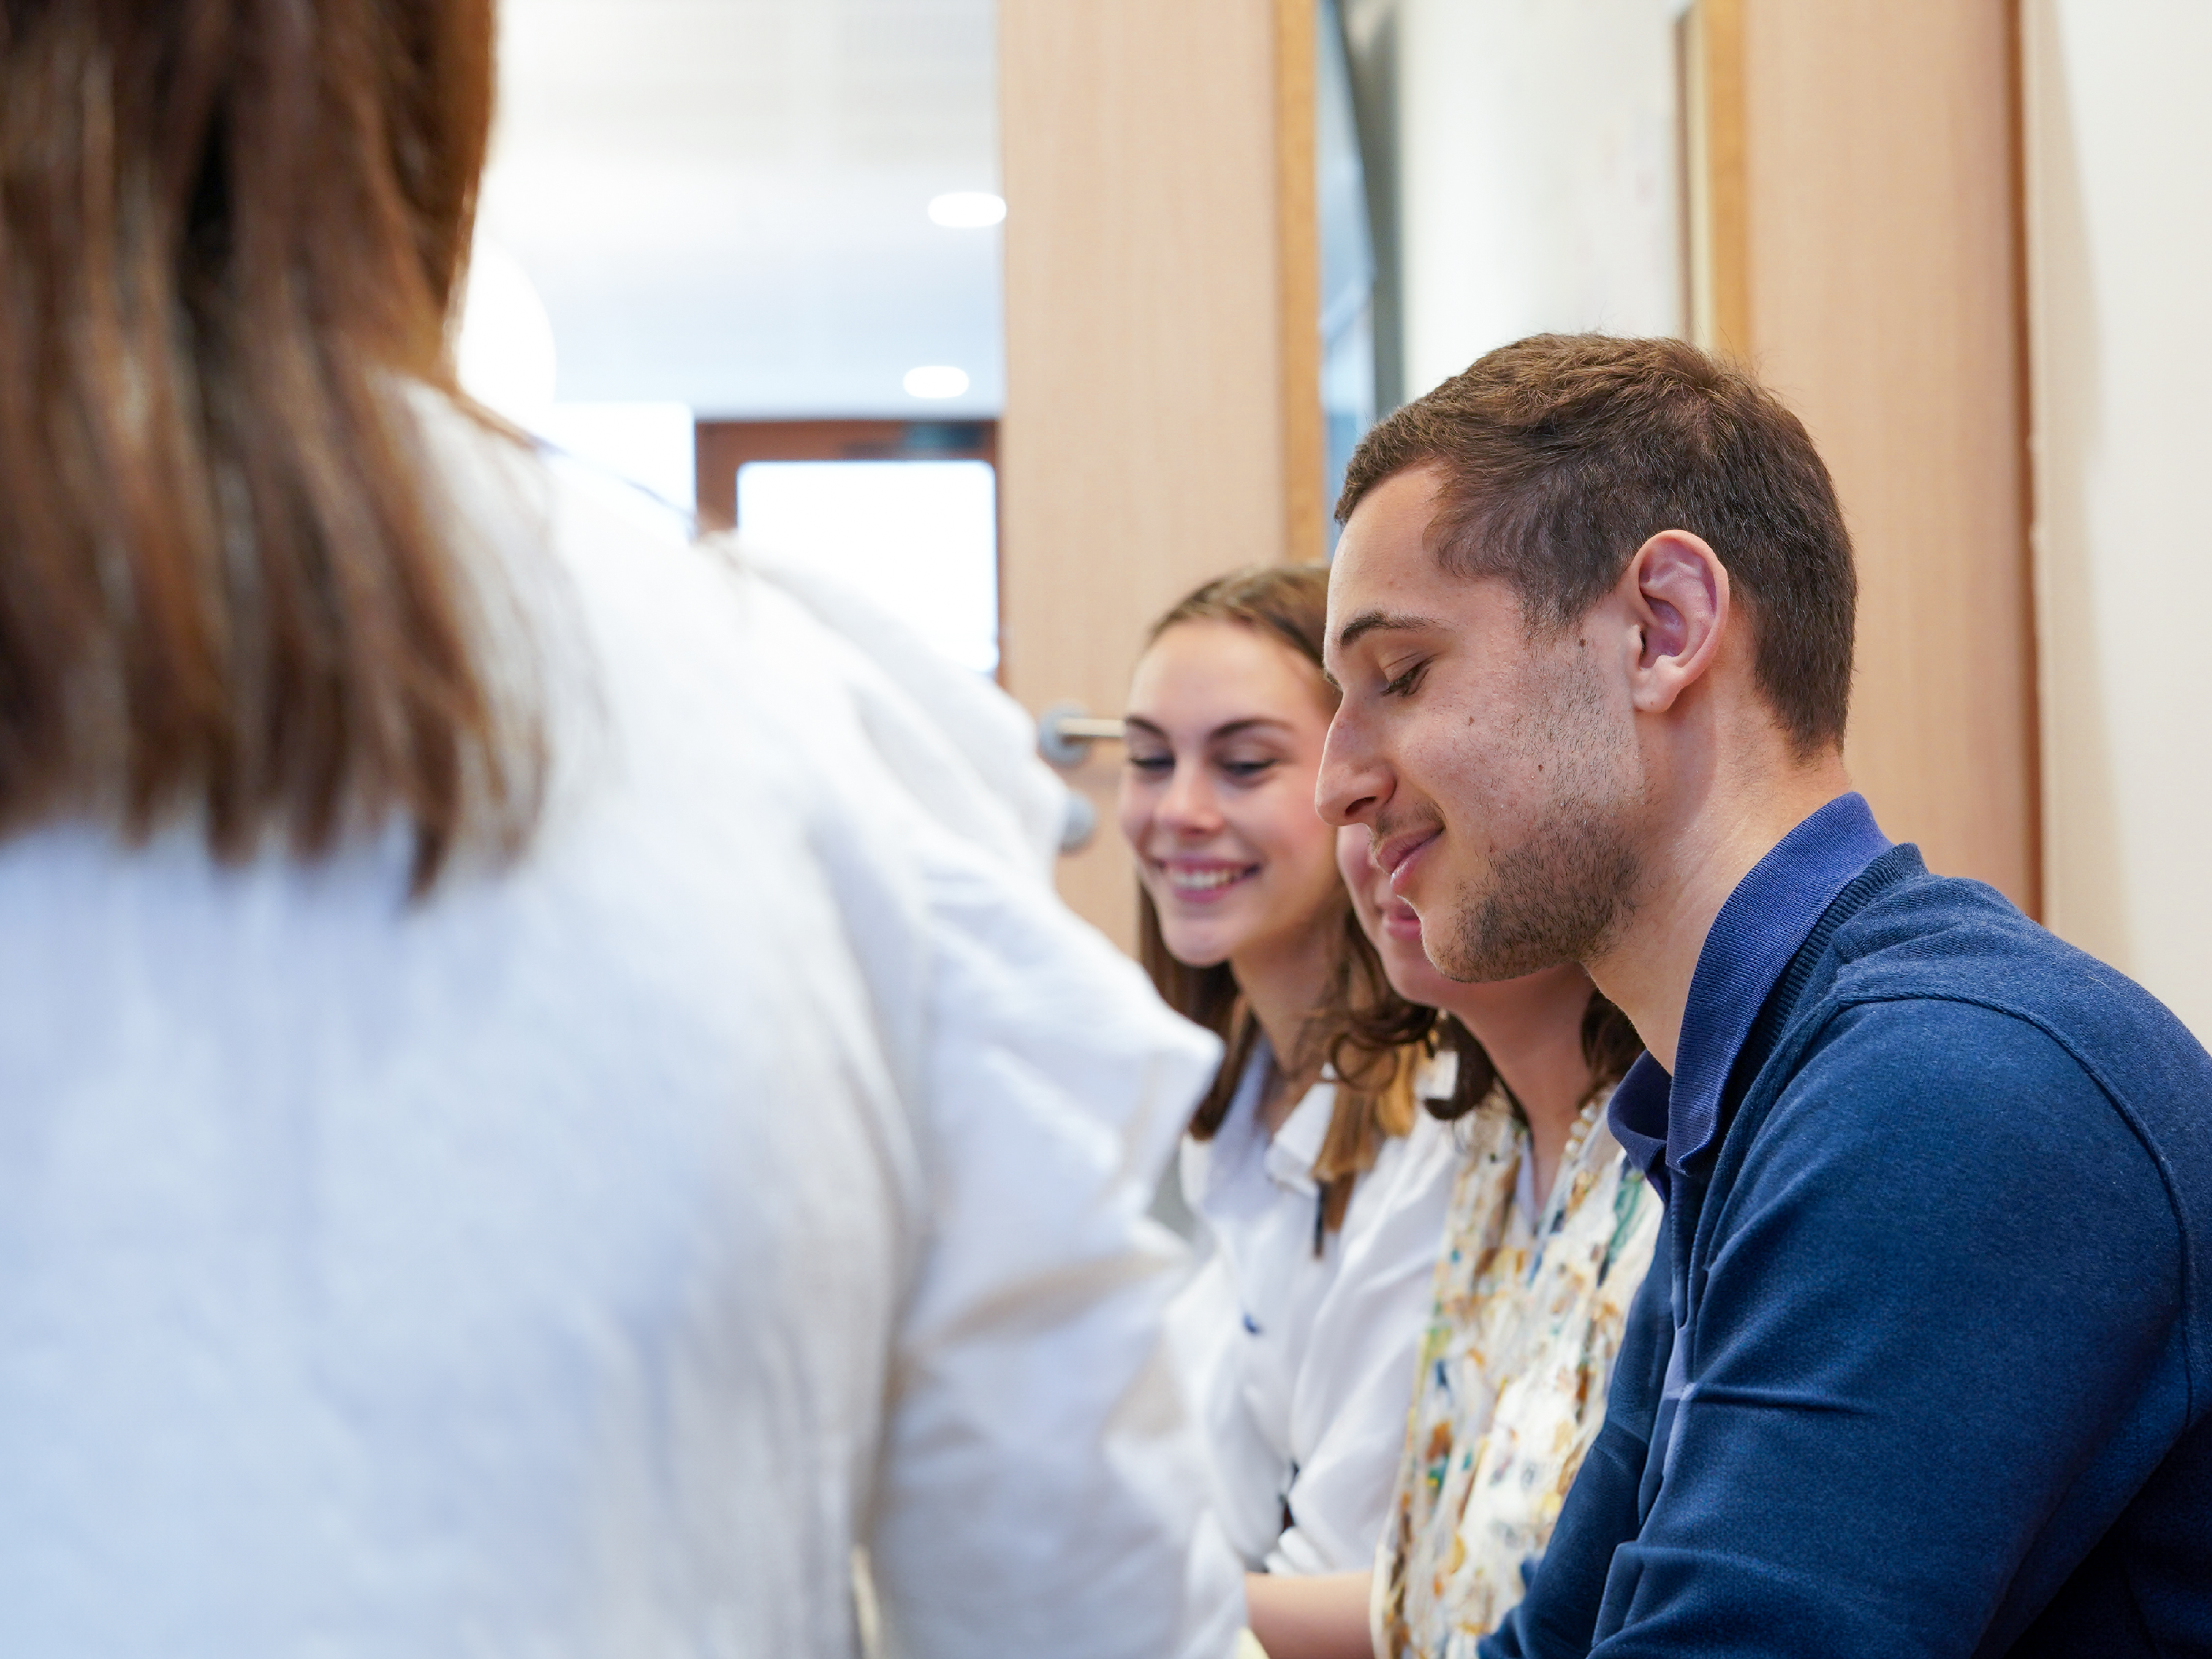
(1514, 1368)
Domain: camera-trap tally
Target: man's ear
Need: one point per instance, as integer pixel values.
(1676, 591)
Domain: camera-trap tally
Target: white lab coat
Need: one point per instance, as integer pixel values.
(1302, 1364)
(580, 1264)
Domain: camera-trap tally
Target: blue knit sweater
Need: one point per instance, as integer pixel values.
(1942, 1288)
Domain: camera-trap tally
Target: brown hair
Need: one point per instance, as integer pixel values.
(230, 237)
(1561, 455)
(1288, 603)
(1610, 1046)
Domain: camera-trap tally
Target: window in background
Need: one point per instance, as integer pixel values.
(919, 537)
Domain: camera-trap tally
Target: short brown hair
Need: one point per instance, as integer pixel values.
(1561, 455)
(1288, 603)
(229, 241)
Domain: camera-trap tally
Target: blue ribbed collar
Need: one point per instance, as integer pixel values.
(1663, 1122)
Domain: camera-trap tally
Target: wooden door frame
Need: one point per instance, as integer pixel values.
(724, 445)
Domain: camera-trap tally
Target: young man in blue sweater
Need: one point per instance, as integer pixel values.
(1929, 1369)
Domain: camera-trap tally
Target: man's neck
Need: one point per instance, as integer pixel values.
(1689, 871)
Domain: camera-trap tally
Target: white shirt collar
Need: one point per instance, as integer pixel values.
(1287, 1157)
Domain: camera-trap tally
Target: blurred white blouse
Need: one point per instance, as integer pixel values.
(1302, 1361)
(584, 1262)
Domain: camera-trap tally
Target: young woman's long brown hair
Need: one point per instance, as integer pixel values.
(230, 233)
(1609, 1042)
(1288, 603)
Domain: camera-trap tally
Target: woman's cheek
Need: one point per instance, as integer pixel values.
(1133, 811)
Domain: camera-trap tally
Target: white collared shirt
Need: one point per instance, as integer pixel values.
(1302, 1364)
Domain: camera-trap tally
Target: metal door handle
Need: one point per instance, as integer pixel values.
(1081, 824)
(1064, 734)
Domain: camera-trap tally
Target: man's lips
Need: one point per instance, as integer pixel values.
(1397, 857)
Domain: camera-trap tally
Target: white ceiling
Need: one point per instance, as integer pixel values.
(723, 202)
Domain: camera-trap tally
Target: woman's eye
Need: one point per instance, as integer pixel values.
(1140, 762)
(1246, 770)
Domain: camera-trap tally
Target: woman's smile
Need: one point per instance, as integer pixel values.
(1202, 881)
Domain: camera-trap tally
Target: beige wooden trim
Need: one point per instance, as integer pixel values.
(2036, 884)
(1716, 189)
(1298, 241)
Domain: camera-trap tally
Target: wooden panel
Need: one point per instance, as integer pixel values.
(1162, 421)
(1880, 271)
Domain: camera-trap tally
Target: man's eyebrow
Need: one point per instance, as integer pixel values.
(1371, 622)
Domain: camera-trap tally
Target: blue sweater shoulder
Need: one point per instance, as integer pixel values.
(1943, 1295)
(1925, 939)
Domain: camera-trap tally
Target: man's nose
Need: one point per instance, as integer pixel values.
(1352, 784)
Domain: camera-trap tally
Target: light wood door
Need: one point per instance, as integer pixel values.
(1162, 418)
(1854, 189)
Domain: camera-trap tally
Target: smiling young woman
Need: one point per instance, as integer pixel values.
(1321, 1188)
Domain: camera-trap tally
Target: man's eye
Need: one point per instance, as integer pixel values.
(1406, 682)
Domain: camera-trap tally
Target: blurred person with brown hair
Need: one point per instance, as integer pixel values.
(546, 1096)
(1921, 1371)
(1320, 1185)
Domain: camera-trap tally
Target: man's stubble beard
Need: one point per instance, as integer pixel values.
(1560, 896)
(1563, 894)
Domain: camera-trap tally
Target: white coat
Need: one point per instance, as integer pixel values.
(580, 1264)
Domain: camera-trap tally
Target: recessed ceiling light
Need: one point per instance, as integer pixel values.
(967, 209)
(937, 381)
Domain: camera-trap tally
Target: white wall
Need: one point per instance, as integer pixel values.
(2119, 187)
(1541, 173)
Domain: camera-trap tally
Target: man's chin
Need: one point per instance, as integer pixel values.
(1504, 933)
(1484, 962)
